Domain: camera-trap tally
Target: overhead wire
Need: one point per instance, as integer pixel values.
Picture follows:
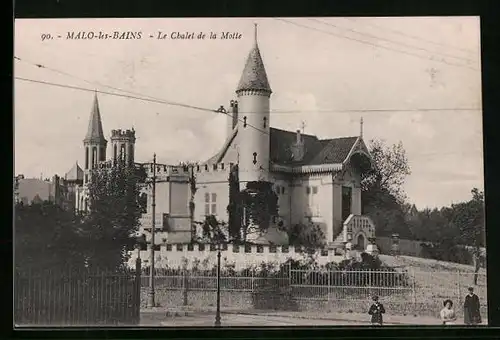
(163, 101)
(390, 40)
(155, 101)
(414, 36)
(376, 45)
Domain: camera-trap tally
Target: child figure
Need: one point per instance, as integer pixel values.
(376, 310)
(447, 314)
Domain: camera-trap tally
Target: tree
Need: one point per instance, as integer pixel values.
(309, 236)
(234, 208)
(389, 170)
(259, 204)
(468, 218)
(47, 237)
(383, 195)
(250, 211)
(113, 218)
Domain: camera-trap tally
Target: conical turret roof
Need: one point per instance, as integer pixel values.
(95, 133)
(254, 75)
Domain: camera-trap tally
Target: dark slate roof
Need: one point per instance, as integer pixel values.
(334, 150)
(95, 132)
(254, 75)
(317, 151)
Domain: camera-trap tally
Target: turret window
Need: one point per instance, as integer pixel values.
(115, 153)
(245, 121)
(265, 122)
(122, 152)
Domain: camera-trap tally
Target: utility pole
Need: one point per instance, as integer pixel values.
(151, 294)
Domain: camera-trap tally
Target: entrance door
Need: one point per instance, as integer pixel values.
(361, 242)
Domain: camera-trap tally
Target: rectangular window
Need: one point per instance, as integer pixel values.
(179, 247)
(282, 190)
(272, 248)
(324, 252)
(201, 247)
(210, 204)
(224, 246)
(260, 248)
(248, 248)
(190, 247)
(315, 190)
(169, 247)
(284, 249)
(308, 190)
(212, 247)
(236, 248)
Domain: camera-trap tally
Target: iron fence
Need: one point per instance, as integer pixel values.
(406, 291)
(67, 297)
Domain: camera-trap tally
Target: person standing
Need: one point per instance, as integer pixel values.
(447, 314)
(472, 314)
(376, 310)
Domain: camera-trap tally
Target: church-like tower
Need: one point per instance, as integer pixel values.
(94, 143)
(123, 146)
(253, 93)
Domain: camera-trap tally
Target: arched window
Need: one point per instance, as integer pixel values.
(122, 152)
(102, 154)
(94, 157)
(86, 158)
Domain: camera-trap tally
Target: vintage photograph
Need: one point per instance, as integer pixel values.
(255, 172)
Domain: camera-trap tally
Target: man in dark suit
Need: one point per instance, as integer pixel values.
(472, 314)
(376, 310)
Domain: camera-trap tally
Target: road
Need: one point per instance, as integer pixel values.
(207, 320)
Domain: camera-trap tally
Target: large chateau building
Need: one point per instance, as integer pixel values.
(317, 180)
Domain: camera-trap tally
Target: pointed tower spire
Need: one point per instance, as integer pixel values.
(361, 127)
(254, 75)
(255, 34)
(95, 132)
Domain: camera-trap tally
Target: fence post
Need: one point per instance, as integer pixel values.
(459, 288)
(185, 286)
(137, 295)
(414, 290)
(328, 284)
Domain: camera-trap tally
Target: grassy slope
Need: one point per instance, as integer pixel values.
(435, 280)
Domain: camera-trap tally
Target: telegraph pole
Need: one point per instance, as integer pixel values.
(151, 294)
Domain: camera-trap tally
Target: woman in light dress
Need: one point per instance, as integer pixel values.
(448, 316)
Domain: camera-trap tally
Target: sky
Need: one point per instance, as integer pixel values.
(413, 80)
